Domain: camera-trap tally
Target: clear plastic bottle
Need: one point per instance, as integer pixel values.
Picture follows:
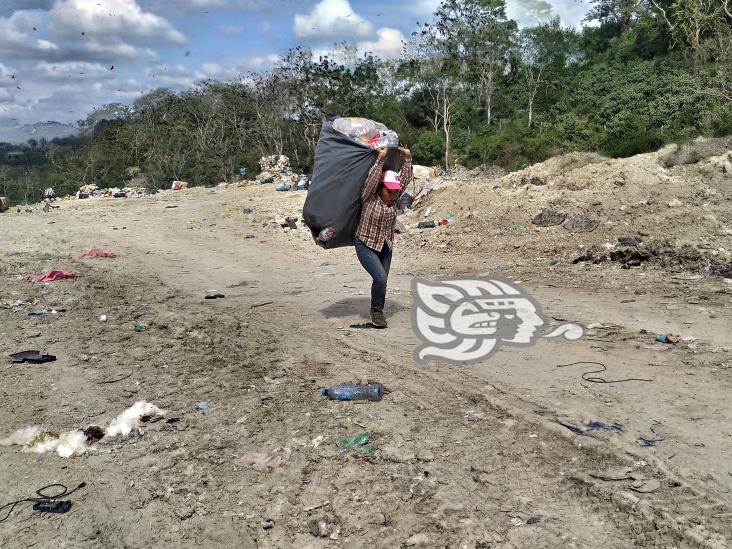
(371, 391)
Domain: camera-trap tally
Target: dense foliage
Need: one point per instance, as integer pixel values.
(471, 88)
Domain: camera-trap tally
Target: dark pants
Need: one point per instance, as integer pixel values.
(377, 265)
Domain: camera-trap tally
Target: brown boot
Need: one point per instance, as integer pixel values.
(377, 318)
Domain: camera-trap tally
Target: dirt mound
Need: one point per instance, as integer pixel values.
(579, 204)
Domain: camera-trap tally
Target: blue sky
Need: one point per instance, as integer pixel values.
(61, 58)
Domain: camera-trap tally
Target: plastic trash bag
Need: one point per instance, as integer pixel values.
(342, 162)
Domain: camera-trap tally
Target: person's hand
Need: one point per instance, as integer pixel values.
(406, 153)
(382, 153)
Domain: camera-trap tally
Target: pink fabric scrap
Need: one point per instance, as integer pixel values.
(50, 276)
(93, 253)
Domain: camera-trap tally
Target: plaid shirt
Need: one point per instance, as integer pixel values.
(377, 221)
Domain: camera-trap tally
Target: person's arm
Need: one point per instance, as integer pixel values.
(405, 177)
(372, 179)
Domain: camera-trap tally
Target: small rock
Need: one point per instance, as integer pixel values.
(646, 486)
(267, 524)
(675, 203)
(318, 528)
(185, 513)
(417, 540)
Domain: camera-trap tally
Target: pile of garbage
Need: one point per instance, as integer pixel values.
(93, 191)
(276, 168)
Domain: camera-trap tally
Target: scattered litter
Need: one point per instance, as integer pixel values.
(35, 439)
(45, 503)
(645, 486)
(33, 357)
(363, 325)
(36, 312)
(139, 326)
(673, 339)
(325, 264)
(52, 506)
(599, 425)
(648, 442)
(203, 405)
(261, 304)
(615, 473)
(93, 254)
(412, 273)
(93, 433)
(126, 376)
(355, 422)
(265, 462)
(130, 418)
(102, 318)
(358, 442)
(371, 392)
(720, 270)
(654, 347)
(214, 295)
(595, 379)
(532, 520)
(51, 276)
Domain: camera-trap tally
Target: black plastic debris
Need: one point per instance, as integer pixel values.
(548, 217)
(34, 357)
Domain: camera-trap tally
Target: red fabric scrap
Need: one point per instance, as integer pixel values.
(93, 253)
(50, 276)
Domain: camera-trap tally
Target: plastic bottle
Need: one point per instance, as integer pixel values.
(353, 392)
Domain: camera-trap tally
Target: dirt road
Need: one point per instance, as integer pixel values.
(478, 456)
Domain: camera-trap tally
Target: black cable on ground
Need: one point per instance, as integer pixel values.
(595, 379)
(42, 496)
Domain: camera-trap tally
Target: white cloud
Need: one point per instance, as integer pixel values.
(261, 62)
(72, 71)
(387, 45)
(16, 42)
(111, 20)
(571, 12)
(332, 19)
(266, 26)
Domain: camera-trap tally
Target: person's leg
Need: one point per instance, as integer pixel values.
(385, 260)
(371, 261)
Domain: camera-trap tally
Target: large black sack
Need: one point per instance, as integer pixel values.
(334, 197)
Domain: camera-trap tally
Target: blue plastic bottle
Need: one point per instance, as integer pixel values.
(353, 392)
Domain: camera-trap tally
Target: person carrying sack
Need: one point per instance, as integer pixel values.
(375, 231)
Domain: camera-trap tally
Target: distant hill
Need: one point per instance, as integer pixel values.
(48, 130)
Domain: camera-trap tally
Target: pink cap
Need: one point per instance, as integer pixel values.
(390, 179)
